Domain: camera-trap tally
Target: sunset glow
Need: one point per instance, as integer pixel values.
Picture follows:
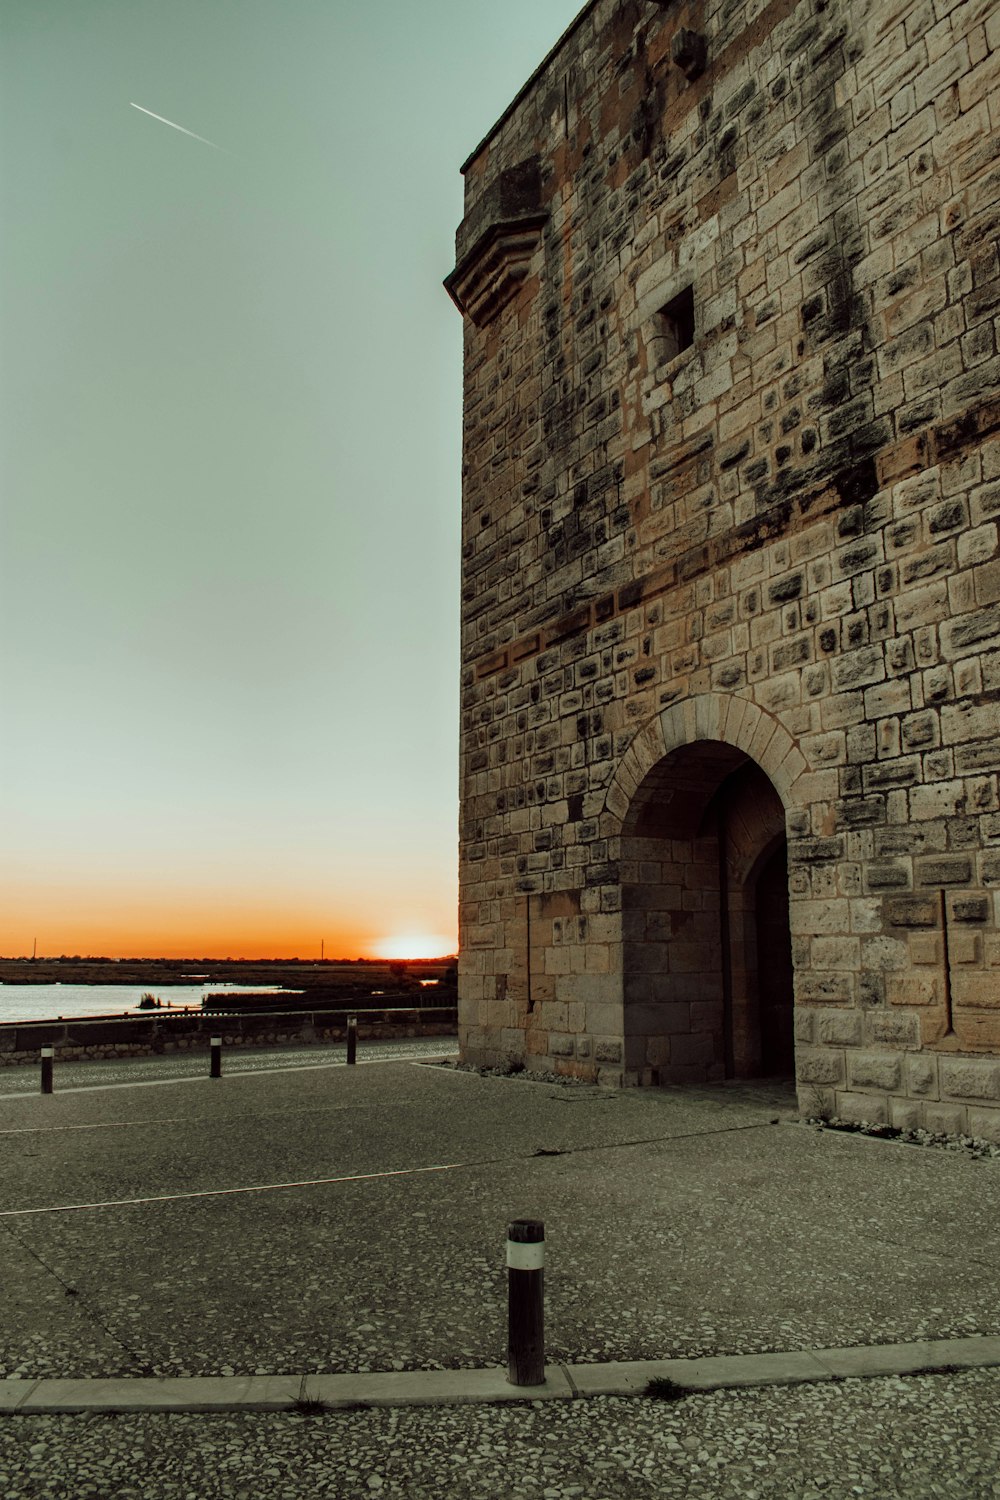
(416, 945)
(178, 919)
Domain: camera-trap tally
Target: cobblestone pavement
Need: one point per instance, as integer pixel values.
(882, 1439)
(15, 1082)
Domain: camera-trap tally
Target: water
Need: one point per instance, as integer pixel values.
(47, 1002)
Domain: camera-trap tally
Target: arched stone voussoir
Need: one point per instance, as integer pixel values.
(709, 716)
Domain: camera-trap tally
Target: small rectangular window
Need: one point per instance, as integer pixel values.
(676, 325)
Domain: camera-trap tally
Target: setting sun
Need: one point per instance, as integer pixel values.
(416, 945)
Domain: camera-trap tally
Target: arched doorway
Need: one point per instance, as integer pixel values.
(707, 954)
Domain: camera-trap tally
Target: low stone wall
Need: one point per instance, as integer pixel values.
(103, 1038)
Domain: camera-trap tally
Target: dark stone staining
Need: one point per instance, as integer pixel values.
(893, 773)
(794, 654)
(856, 559)
(812, 308)
(914, 911)
(871, 991)
(955, 870)
(741, 98)
(689, 51)
(980, 625)
(833, 314)
(851, 523)
(857, 483)
(786, 589)
(947, 517)
(886, 875)
(814, 851)
(864, 813)
(970, 909)
(729, 458)
(939, 559)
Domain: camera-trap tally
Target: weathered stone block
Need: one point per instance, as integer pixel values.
(976, 991)
(921, 1075)
(822, 989)
(984, 1124)
(906, 1114)
(819, 1065)
(968, 1078)
(839, 1028)
(804, 1021)
(875, 1070)
(892, 1028)
(868, 1109)
(918, 987)
(914, 911)
(956, 870)
(946, 1119)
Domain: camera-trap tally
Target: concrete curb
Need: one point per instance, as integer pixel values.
(458, 1387)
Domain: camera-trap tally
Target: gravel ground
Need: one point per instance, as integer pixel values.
(882, 1439)
(677, 1224)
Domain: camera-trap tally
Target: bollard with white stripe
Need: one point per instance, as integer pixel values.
(215, 1071)
(526, 1302)
(352, 1041)
(48, 1053)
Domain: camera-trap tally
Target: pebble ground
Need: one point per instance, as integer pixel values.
(881, 1439)
(678, 1223)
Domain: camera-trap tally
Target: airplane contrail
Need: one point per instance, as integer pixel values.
(181, 128)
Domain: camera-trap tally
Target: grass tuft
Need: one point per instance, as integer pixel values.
(311, 1407)
(662, 1388)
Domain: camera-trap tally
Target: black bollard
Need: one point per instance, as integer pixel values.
(216, 1069)
(526, 1302)
(352, 1041)
(48, 1053)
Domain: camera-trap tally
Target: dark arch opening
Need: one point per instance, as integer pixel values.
(707, 949)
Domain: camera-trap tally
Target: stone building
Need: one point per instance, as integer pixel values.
(731, 581)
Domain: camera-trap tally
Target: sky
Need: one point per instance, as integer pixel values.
(230, 434)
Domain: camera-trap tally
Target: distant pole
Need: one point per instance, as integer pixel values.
(216, 1069)
(526, 1302)
(48, 1054)
(34, 950)
(352, 1041)
(322, 949)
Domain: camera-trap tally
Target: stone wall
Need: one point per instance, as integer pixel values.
(731, 486)
(106, 1038)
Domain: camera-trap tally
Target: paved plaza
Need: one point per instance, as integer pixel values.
(325, 1220)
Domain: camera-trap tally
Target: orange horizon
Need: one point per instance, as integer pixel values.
(110, 920)
(250, 958)
(388, 949)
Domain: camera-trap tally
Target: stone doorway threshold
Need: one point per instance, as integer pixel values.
(670, 1379)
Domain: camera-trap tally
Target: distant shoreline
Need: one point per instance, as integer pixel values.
(165, 973)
